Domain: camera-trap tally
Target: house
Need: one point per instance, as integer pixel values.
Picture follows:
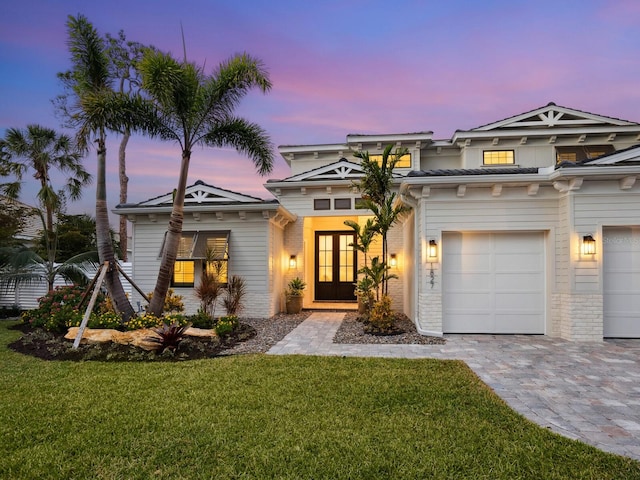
(527, 225)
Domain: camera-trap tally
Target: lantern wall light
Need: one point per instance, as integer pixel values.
(393, 261)
(432, 250)
(293, 262)
(588, 245)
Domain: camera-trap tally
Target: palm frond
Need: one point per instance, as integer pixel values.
(246, 137)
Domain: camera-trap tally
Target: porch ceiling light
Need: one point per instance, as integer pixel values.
(393, 261)
(588, 245)
(293, 263)
(432, 251)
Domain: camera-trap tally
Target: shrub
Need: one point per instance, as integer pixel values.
(208, 292)
(146, 320)
(226, 325)
(234, 294)
(381, 319)
(57, 309)
(168, 336)
(172, 302)
(201, 320)
(10, 312)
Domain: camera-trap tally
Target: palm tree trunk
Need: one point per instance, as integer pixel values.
(174, 232)
(103, 234)
(124, 181)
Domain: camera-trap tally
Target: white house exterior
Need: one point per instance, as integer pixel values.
(503, 218)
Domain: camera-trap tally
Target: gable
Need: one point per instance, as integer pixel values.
(201, 193)
(340, 170)
(554, 116)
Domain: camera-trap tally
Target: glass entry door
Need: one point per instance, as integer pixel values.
(335, 266)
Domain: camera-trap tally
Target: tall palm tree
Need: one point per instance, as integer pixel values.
(377, 196)
(40, 149)
(195, 109)
(123, 57)
(95, 108)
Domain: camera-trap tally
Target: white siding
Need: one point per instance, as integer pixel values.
(248, 256)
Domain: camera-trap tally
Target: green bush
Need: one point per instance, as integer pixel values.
(226, 325)
(381, 318)
(96, 320)
(201, 320)
(172, 303)
(10, 312)
(57, 309)
(146, 320)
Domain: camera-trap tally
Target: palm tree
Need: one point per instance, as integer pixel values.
(21, 265)
(95, 108)
(377, 196)
(42, 149)
(124, 56)
(196, 109)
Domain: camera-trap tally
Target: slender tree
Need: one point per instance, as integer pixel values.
(92, 107)
(40, 150)
(124, 56)
(196, 109)
(375, 187)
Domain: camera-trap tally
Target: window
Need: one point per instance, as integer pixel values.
(360, 203)
(498, 157)
(581, 153)
(321, 204)
(183, 273)
(342, 204)
(210, 248)
(403, 162)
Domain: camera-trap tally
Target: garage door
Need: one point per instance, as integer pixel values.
(621, 287)
(493, 282)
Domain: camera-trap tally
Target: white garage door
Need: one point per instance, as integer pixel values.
(621, 282)
(493, 282)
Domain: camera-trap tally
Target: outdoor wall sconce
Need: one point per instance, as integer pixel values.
(293, 262)
(588, 245)
(432, 251)
(393, 261)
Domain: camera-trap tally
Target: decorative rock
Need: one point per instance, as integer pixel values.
(138, 338)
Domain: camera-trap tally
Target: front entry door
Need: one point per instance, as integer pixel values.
(335, 266)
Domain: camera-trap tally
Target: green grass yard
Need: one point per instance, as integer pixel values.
(265, 416)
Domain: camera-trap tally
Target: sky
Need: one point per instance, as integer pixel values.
(337, 68)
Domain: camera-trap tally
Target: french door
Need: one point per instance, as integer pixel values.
(335, 266)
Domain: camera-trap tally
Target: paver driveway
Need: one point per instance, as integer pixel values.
(584, 391)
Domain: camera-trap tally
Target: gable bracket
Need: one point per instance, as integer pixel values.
(627, 182)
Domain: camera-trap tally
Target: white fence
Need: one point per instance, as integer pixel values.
(26, 297)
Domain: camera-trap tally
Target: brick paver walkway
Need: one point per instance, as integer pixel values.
(584, 391)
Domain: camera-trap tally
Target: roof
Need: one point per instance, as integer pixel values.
(201, 193)
(472, 171)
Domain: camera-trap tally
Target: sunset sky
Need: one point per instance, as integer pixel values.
(338, 67)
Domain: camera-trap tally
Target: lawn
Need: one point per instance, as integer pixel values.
(261, 416)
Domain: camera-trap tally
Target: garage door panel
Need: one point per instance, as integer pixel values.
(470, 282)
(621, 282)
(472, 322)
(493, 282)
(518, 282)
(474, 301)
(518, 302)
(518, 263)
(480, 263)
(520, 323)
